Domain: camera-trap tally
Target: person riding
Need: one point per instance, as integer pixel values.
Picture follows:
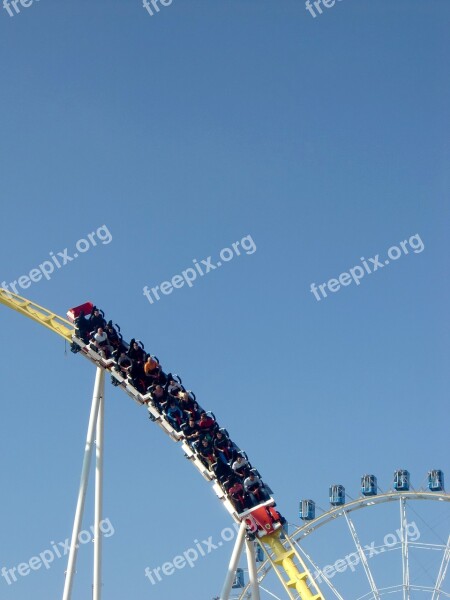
(255, 489)
(206, 453)
(112, 334)
(174, 415)
(191, 431)
(206, 423)
(240, 465)
(96, 320)
(124, 364)
(159, 397)
(223, 446)
(237, 495)
(101, 343)
(135, 352)
(82, 327)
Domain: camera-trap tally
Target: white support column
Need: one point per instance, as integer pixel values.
(71, 565)
(252, 569)
(234, 561)
(405, 553)
(98, 536)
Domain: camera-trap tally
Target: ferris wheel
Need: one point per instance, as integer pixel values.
(393, 543)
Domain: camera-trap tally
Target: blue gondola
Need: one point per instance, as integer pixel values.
(401, 480)
(337, 495)
(369, 485)
(307, 510)
(435, 480)
(239, 581)
(259, 554)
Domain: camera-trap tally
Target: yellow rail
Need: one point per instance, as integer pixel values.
(37, 313)
(283, 558)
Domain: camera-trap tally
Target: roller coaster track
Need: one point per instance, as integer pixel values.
(283, 557)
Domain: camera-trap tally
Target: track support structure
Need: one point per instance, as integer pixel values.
(252, 569)
(234, 561)
(95, 429)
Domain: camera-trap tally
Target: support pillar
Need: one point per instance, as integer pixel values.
(97, 396)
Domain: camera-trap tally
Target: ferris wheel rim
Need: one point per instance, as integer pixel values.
(364, 502)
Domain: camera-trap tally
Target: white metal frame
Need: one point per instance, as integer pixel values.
(362, 557)
(234, 561)
(442, 572)
(252, 569)
(405, 552)
(95, 428)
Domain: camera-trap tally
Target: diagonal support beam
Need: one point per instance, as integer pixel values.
(98, 536)
(234, 561)
(362, 556)
(96, 398)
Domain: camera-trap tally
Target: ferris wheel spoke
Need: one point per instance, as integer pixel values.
(269, 592)
(319, 571)
(362, 557)
(405, 553)
(442, 572)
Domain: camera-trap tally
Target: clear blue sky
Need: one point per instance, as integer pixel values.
(326, 140)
